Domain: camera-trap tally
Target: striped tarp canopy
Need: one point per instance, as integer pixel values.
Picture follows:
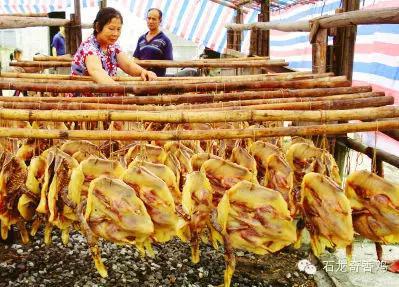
(32, 6)
(274, 4)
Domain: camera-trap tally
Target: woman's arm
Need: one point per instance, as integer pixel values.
(131, 68)
(96, 71)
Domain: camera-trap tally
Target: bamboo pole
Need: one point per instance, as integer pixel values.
(164, 64)
(42, 64)
(209, 64)
(325, 129)
(68, 58)
(309, 105)
(202, 117)
(62, 58)
(314, 105)
(199, 98)
(239, 103)
(175, 88)
(12, 22)
(185, 106)
(191, 80)
(129, 78)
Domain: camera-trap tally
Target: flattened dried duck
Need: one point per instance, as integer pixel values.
(327, 213)
(375, 207)
(196, 209)
(253, 218)
(223, 174)
(115, 213)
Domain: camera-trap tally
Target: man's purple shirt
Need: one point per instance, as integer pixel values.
(159, 48)
(59, 44)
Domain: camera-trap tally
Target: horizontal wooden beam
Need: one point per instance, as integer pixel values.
(234, 53)
(25, 15)
(370, 151)
(11, 22)
(358, 17)
(299, 26)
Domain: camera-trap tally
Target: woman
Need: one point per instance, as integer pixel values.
(99, 56)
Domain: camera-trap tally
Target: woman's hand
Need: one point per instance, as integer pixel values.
(148, 75)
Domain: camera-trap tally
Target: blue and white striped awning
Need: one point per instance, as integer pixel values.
(32, 6)
(275, 4)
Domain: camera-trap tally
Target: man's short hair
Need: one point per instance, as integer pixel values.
(155, 9)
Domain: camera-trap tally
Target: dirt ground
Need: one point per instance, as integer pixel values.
(19, 263)
(278, 269)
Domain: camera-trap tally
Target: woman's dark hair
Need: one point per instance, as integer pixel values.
(155, 9)
(104, 16)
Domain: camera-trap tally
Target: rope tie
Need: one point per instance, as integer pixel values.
(374, 160)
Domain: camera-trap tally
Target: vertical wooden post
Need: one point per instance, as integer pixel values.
(342, 60)
(264, 36)
(230, 39)
(253, 42)
(344, 43)
(319, 51)
(73, 31)
(237, 34)
(102, 3)
(337, 34)
(69, 36)
(78, 23)
(379, 167)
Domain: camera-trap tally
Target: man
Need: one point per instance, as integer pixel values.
(154, 45)
(58, 44)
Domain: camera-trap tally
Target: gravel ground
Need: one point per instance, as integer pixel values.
(36, 264)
